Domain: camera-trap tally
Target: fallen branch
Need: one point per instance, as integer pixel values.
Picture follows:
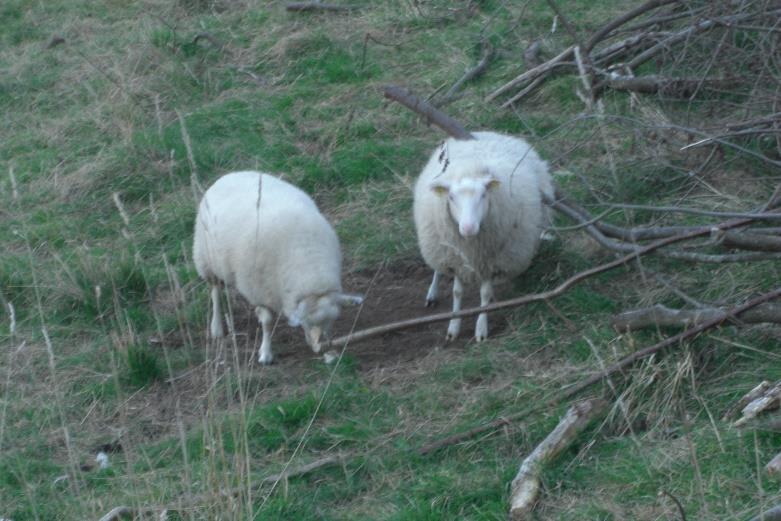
(769, 400)
(662, 316)
(595, 229)
(749, 397)
(681, 87)
(134, 513)
(302, 7)
(621, 20)
(429, 112)
(774, 466)
(525, 488)
(751, 241)
(601, 375)
(469, 75)
(774, 514)
(532, 73)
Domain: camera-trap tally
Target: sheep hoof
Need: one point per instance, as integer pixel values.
(452, 332)
(267, 360)
(431, 302)
(481, 329)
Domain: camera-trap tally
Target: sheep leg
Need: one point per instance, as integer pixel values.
(433, 290)
(265, 356)
(215, 328)
(455, 325)
(486, 296)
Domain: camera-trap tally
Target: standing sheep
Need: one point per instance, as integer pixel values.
(267, 238)
(479, 215)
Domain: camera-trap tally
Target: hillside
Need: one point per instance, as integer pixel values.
(116, 115)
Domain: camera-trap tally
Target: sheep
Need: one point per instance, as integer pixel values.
(266, 238)
(479, 215)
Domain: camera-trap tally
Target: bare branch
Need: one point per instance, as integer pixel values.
(532, 73)
(774, 514)
(751, 241)
(681, 87)
(621, 20)
(429, 112)
(662, 316)
(749, 397)
(525, 488)
(774, 466)
(769, 400)
(469, 75)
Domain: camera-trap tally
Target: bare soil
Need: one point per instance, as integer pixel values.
(392, 293)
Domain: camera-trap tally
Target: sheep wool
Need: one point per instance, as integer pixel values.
(266, 238)
(479, 214)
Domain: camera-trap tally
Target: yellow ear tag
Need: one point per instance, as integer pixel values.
(439, 189)
(493, 183)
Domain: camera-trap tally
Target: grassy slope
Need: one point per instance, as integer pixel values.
(98, 116)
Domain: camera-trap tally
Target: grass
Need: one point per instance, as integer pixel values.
(95, 120)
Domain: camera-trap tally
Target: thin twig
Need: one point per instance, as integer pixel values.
(469, 75)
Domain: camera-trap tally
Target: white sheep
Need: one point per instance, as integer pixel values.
(266, 238)
(479, 215)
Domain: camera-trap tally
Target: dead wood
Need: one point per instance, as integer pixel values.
(469, 75)
(123, 512)
(774, 514)
(600, 34)
(769, 400)
(533, 73)
(623, 363)
(774, 466)
(302, 7)
(751, 241)
(592, 227)
(673, 87)
(662, 316)
(525, 488)
(747, 398)
(428, 111)
(684, 34)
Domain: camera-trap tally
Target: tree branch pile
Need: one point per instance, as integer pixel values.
(667, 31)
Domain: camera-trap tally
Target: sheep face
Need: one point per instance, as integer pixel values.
(317, 314)
(467, 200)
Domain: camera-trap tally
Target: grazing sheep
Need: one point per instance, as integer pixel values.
(479, 215)
(266, 238)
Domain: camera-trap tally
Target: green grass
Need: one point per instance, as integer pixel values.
(96, 120)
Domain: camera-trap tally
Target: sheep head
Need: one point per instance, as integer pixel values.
(316, 314)
(467, 200)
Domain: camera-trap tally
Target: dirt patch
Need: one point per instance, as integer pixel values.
(392, 293)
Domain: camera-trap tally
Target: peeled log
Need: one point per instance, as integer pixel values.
(525, 487)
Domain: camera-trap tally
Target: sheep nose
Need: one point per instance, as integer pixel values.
(468, 229)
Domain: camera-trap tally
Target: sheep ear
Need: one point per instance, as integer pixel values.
(492, 182)
(440, 187)
(345, 299)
